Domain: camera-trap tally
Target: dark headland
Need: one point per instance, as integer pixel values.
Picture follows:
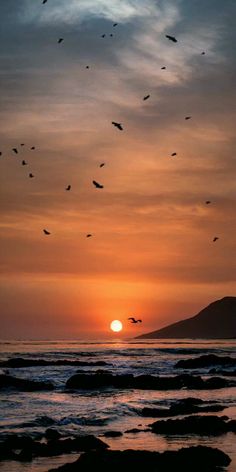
(217, 320)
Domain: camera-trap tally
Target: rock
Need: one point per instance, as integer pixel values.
(25, 385)
(199, 425)
(144, 382)
(224, 373)
(112, 434)
(135, 430)
(17, 362)
(186, 406)
(197, 458)
(51, 434)
(207, 360)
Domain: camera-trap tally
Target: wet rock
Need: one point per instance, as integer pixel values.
(199, 425)
(25, 385)
(204, 361)
(186, 406)
(144, 382)
(198, 458)
(17, 362)
(135, 430)
(112, 434)
(51, 434)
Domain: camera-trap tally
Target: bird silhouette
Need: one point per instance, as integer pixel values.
(44, 1)
(15, 150)
(215, 239)
(46, 232)
(103, 36)
(163, 68)
(115, 24)
(32, 148)
(31, 176)
(97, 185)
(24, 163)
(133, 320)
(102, 164)
(22, 144)
(111, 35)
(188, 117)
(207, 202)
(87, 67)
(60, 40)
(203, 53)
(174, 154)
(88, 235)
(117, 125)
(171, 38)
(146, 97)
(0, 153)
(68, 187)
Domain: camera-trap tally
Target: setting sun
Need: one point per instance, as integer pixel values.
(116, 326)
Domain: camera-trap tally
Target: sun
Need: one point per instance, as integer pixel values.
(116, 326)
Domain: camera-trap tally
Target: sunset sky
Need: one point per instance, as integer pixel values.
(151, 254)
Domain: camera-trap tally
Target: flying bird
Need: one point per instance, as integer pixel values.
(102, 164)
(87, 67)
(22, 144)
(117, 125)
(103, 36)
(188, 117)
(111, 35)
(44, 1)
(32, 148)
(15, 150)
(174, 154)
(24, 163)
(215, 239)
(115, 24)
(60, 40)
(0, 153)
(203, 53)
(133, 320)
(208, 202)
(97, 185)
(69, 187)
(31, 176)
(46, 232)
(88, 235)
(146, 97)
(163, 68)
(171, 38)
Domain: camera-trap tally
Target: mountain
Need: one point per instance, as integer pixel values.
(217, 320)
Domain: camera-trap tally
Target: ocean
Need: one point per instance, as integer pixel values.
(97, 411)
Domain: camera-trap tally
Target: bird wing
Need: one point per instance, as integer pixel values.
(132, 319)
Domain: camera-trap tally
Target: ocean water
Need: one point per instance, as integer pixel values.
(94, 412)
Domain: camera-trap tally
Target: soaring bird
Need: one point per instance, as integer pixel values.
(188, 117)
(102, 164)
(88, 235)
(97, 185)
(174, 154)
(117, 125)
(163, 68)
(171, 38)
(15, 150)
(31, 176)
(32, 148)
(46, 232)
(68, 187)
(146, 97)
(87, 67)
(22, 144)
(115, 24)
(133, 320)
(111, 35)
(103, 36)
(207, 202)
(203, 53)
(24, 163)
(215, 239)
(60, 40)
(44, 1)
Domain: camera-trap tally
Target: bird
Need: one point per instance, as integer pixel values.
(44, 1)
(103, 36)
(117, 125)
(102, 164)
(215, 239)
(22, 144)
(87, 67)
(31, 176)
(207, 202)
(163, 68)
(15, 150)
(133, 320)
(32, 148)
(115, 24)
(0, 153)
(88, 235)
(69, 187)
(203, 53)
(188, 117)
(97, 185)
(111, 35)
(60, 40)
(46, 232)
(174, 154)
(146, 97)
(171, 38)
(24, 163)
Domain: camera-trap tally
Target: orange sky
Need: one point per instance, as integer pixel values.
(151, 254)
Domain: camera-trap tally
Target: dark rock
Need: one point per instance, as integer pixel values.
(51, 434)
(224, 373)
(112, 434)
(144, 382)
(197, 458)
(186, 406)
(17, 362)
(199, 425)
(135, 430)
(207, 360)
(25, 385)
